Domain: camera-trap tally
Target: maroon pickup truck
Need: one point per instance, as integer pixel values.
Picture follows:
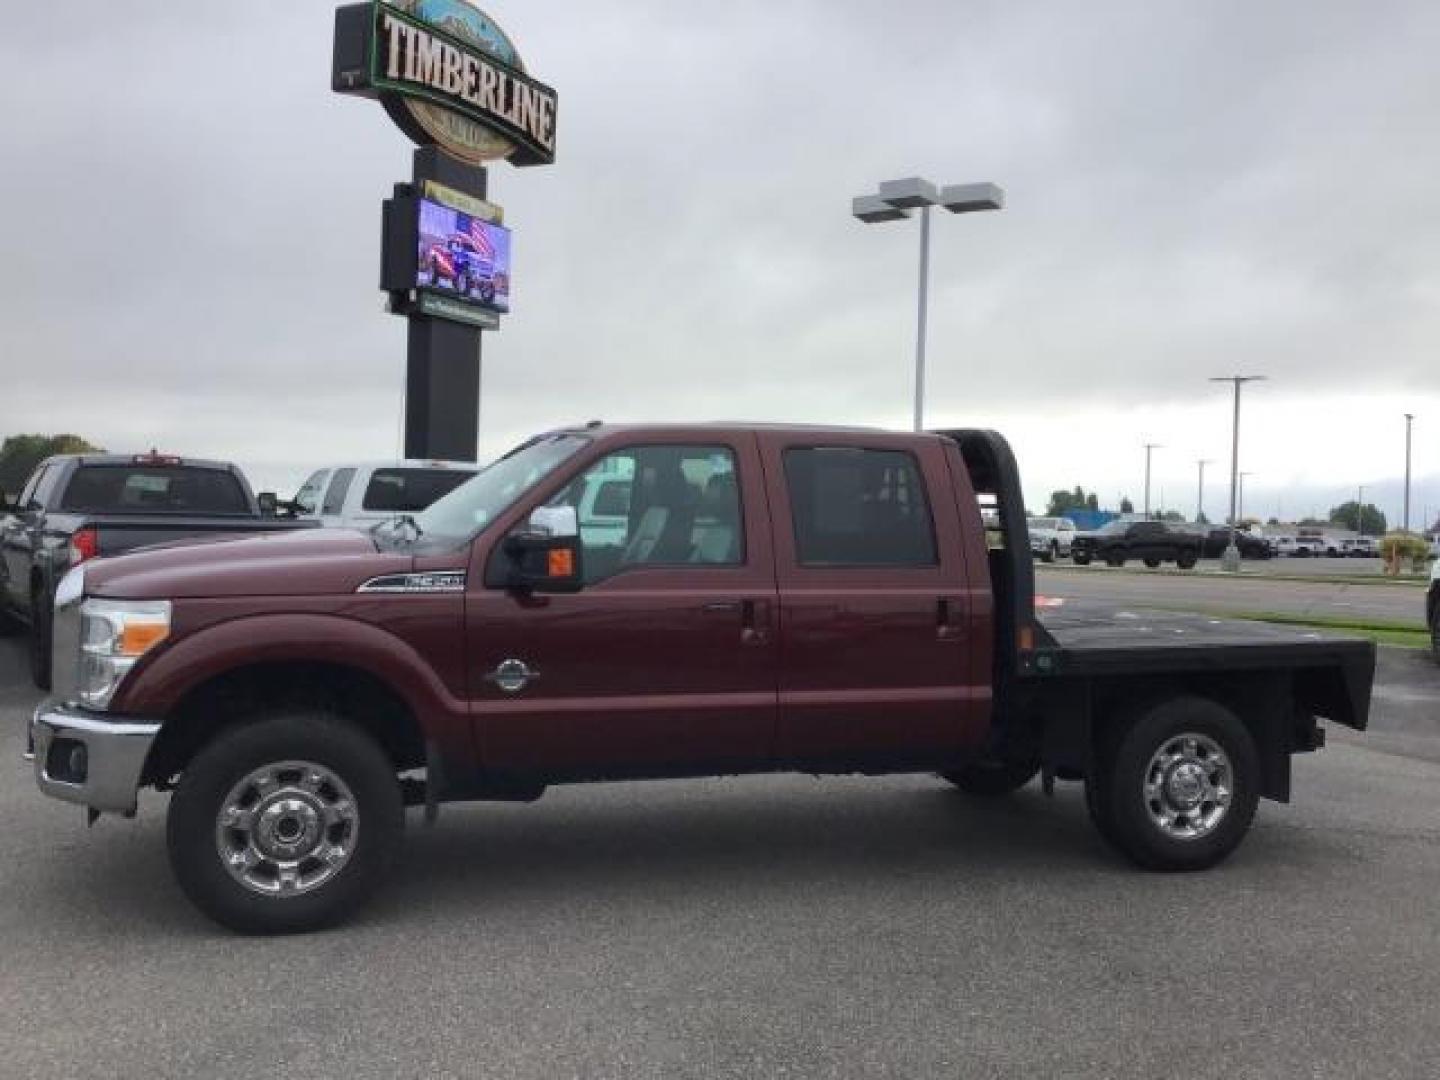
(741, 599)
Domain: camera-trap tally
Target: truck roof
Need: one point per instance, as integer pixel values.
(141, 459)
(598, 427)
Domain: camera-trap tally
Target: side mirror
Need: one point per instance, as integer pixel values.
(545, 558)
(269, 504)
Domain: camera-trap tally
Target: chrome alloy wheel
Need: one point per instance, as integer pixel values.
(1188, 786)
(287, 828)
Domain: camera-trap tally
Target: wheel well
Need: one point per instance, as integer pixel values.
(1079, 727)
(244, 694)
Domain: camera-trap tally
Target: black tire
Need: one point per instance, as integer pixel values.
(991, 779)
(1114, 560)
(1080, 558)
(1152, 562)
(320, 738)
(41, 641)
(1186, 560)
(1116, 792)
(1048, 555)
(1435, 635)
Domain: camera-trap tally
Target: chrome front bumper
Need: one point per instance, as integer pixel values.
(89, 758)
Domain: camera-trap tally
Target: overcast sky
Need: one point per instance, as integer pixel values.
(191, 219)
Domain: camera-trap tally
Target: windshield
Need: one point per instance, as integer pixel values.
(479, 501)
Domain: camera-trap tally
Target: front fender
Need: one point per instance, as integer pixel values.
(155, 687)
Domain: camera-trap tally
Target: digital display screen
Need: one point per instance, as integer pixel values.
(464, 257)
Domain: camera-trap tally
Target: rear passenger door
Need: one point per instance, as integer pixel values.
(876, 634)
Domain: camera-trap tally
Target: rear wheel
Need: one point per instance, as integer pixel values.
(1151, 562)
(40, 641)
(1080, 558)
(1115, 560)
(1177, 790)
(285, 824)
(990, 778)
(1186, 560)
(1048, 555)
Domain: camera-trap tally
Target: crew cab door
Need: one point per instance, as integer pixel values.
(878, 613)
(666, 660)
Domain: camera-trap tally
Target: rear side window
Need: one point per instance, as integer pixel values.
(307, 499)
(858, 507)
(154, 489)
(406, 491)
(339, 487)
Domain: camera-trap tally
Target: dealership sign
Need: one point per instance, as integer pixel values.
(448, 76)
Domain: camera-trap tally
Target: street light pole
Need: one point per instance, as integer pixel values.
(1200, 494)
(894, 202)
(1240, 508)
(1231, 559)
(1409, 420)
(1149, 448)
(922, 318)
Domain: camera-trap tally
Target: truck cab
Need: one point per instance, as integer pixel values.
(622, 603)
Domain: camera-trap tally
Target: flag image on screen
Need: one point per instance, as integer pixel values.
(463, 256)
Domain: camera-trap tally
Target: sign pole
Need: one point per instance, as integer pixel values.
(442, 378)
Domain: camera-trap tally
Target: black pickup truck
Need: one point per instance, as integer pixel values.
(78, 506)
(1152, 542)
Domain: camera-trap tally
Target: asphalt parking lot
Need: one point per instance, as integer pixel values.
(760, 927)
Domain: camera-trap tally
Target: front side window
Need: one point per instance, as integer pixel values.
(307, 499)
(858, 507)
(29, 500)
(658, 506)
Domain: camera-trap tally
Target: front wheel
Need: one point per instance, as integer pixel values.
(1178, 788)
(1186, 560)
(1152, 562)
(1115, 560)
(1080, 558)
(990, 778)
(285, 824)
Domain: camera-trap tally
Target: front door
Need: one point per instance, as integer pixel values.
(666, 661)
(883, 623)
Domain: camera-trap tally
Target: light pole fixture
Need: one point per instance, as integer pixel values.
(1231, 559)
(894, 202)
(1200, 494)
(1150, 447)
(1409, 421)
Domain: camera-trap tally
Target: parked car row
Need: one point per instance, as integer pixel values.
(1156, 542)
(75, 507)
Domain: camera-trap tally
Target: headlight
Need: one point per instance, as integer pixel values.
(113, 635)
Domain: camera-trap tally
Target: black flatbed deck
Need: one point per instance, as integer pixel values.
(1089, 639)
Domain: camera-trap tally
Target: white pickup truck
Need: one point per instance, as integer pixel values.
(1051, 537)
(366, 493)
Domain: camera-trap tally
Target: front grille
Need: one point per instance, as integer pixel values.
(65, 661)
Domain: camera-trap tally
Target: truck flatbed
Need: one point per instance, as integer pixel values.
(1095, 639)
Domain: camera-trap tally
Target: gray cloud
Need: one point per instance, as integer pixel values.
(191, 217)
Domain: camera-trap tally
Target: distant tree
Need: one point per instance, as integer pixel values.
(1311, 521)
(1273, 521)
(1201, 519)
(19, 454)
(1351, 515)
(1126, 506)
(1173, 515)
(1062, 501)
